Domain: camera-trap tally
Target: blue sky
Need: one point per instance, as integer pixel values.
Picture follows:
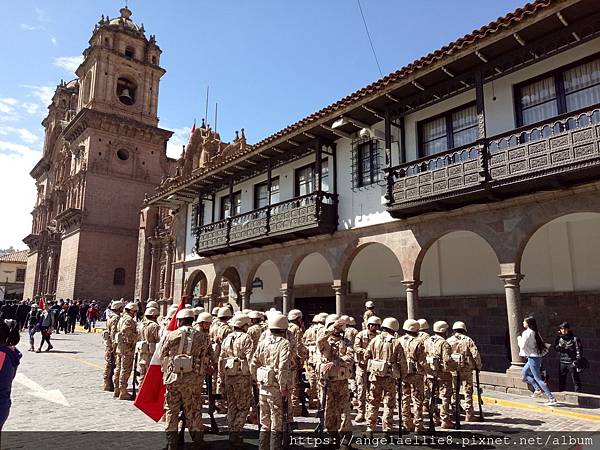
(268, 63)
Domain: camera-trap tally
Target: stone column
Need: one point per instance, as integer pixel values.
(154, 252)
(412, 298)
(340, 292)
(286, 300)
(512, 291)
(245, 298)
(168, 270)
(212, 301)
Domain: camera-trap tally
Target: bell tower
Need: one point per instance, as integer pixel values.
(121, 70)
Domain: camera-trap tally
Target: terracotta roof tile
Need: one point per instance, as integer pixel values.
(17, 257)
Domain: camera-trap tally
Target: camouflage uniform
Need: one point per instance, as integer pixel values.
(109, 350)
(413, 383)
(384, 348)
(272, 352)
(149, 332)
(254, 331)
(424, 337)
(470, 360)
(297, 362)
(126, 340)
(361, 342)
(236, 352)
(368, 313)
(439, 352)
(333, 347)
(310, 342)
(218, 331)
(184, 390)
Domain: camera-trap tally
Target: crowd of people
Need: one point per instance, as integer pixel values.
(255, 362)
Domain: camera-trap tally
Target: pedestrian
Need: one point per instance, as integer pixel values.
(83, 317)
(9, 362)
(56, 309)
(45, 326)
(72, 313)
(184, 355)
(571, 354)
(92, 317)
(234, 361)
(32, 322)
(270, 368)
(532, 347)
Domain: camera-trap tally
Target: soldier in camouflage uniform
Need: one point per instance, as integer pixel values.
(370, 311)
(386, 366)
(424, 336)
(183, 357)
(310, 342)
(468, 359)
(361, 342)
(126, 339)
(256, 327)
(234, 365)
(414, 378)
(148, 337)
(337, 358)
(296, 328)
(110, 344)
(219, 329)
(441, 364)
(271, 369)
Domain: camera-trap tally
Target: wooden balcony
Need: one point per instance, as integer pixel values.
(548, 155)
(304, 216)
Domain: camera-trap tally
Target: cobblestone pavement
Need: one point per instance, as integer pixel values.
(74, 368)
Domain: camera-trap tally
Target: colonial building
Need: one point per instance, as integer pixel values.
(12, 274)
(102, 153)
(463, 186)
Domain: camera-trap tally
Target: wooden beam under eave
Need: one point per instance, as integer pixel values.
(380, 115)
(339, 133)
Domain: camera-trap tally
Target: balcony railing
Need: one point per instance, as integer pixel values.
(311, 214)
(566, 149)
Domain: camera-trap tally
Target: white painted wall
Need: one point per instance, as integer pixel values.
(376, 271)
(460, 263)
(563, 255)
(314, 269)
(269, 274)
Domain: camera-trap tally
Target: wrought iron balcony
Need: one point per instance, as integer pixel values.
(560, 152)
(304, 216)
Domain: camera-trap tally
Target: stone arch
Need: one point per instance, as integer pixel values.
(231, 275)
(562, 254)
(267, 276)
(353, 251)
(458, 262)
(298, 262)
(197, 279)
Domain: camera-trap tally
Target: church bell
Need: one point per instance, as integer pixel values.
(125, 97)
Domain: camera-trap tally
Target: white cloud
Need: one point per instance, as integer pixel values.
(43, 93)
(24, 134)
(28, 27)
(69, 63)
(18, 188)
(54, 41)
(180, 137)
(7, 109)
(30, 108)
(41, 15)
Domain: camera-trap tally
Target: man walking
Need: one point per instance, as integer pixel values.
(571, 351)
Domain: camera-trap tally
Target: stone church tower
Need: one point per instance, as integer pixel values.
(102, 153)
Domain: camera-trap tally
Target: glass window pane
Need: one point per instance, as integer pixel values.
(540, 112)
(465, 118)
(538, 92)
(261, 195)
(437, 146)
(583, 98)
(434, 129)
(275, 190)
(237, 201)
(325, 176)
(582, 76)
(465, 137)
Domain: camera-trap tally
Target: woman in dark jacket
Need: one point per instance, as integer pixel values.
(9, 361)
(570, 349)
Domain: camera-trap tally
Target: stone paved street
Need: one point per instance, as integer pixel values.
(74, 368)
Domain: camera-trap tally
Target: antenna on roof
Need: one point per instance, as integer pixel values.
(369, 36)
(216, 111)
(206, 107)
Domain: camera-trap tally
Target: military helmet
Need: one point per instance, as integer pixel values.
(374, 320)
(294, 314)
(316, 318)
(440, 326)
(152, 304)
(240, 320)
(255, 315)
(423, 324)
(391, 323)
(459, 326)
(116, 305)
(215, 311)
(131, 306)
(411, 325)
(246, 311)
(204, 317)
(151, 312)
(224, 312)
(369, 304)
(185, 314)
(345, 318)
(323, 317)
(351, 321)
(278, 322)
(197, 310)
(331, 318)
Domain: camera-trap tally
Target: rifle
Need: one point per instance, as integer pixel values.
(286, 423)
(321, 411)
(479, 400)
(432, 405)
(256, 396)
(181, 434)
(135, 374)
(457, 402)
(111, 372)
(399, 407)
(214, 428)
(302, 385)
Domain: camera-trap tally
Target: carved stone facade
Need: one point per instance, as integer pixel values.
(102, 153)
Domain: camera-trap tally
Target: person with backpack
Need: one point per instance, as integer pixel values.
(571, 357)
(533, 348)
(413, 383)
(9, 362)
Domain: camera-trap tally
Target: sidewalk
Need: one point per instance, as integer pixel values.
(100, 327)
(564, 408)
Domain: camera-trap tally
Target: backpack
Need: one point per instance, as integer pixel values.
(183, 361)
(411, 352)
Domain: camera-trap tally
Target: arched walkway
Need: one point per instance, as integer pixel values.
(227, 288)
(311, 284)
(196, 287)
(264, 284)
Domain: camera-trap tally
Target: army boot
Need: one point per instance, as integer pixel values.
(360, 417)
(470, 416)
(124, 395)
(447, 425)
(409, 425)
(198, 439)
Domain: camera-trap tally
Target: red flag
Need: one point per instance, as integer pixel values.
(193, 129)
(42, 304)
(151, 397)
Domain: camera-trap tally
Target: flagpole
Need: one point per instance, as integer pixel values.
(206, 107)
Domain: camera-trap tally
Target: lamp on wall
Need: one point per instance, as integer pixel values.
(257, 283)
